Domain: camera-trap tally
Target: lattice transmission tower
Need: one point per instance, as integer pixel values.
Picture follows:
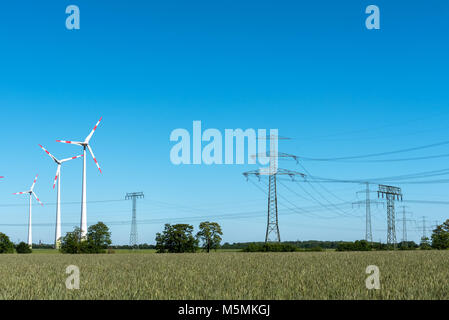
(133, 235)
(391, 194)
(404, 221)
(367, 203)
(424, 227)
(272, 232)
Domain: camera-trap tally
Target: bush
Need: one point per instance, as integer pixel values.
(315, 249)
(23, 248)
(425, 244)
(358, 245)
(407, 245)
(6, 246)
(270, 247)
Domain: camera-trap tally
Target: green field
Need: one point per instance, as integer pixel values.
(227, 275)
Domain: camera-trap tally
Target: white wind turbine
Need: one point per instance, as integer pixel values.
(85, 146)
(30, 193)
(58, 194)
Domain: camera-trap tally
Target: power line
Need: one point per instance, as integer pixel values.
(377, 154)
(65, 203)
(445, 155)
(319, 184)
(390, 179)
(303, 210)
(352, 132)
(285, 186)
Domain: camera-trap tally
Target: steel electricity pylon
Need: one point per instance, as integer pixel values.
(272, 233)
(391, 194)
(424, 227)
(133, 235)
(404, 221)
(367, 203)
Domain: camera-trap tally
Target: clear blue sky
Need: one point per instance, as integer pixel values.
(307, 68)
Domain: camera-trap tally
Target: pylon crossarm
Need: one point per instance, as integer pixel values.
(249, 173)
(289, 173)
(277, 155)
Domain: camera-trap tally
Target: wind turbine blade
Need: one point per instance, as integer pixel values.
(57, 175)
(68, 159)
(71, 142)
(93, 157)
(21, 192)
(32, 187)
(92, 132)
(37, 199)
(46, 151)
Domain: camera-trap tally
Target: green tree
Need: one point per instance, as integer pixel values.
(71, 243)
(358, 245)
(176, 239)
(210, 234)
(362, 245)
(23, 248)
(98, 238)
(6, 246)
(440, 236)
(425, 244)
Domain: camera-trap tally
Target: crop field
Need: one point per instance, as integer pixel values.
(227, 275)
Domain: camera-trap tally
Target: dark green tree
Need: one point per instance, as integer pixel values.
(358, 245)
(440, 236)
(425, 244)
(71, 243)
(362, 245)
(176, 238)
(98, 238)
(6, 246)
(23, 248)
(210, 235)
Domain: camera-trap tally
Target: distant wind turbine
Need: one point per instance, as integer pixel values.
(85, 146)
(58, 194)
(30, 193)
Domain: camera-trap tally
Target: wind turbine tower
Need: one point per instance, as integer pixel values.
(58, 194)
(31, 194)
(85, 145)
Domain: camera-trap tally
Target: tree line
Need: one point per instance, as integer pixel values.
(179, 238)
(97, 240)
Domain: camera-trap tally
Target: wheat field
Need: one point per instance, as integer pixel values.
(227, 275)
